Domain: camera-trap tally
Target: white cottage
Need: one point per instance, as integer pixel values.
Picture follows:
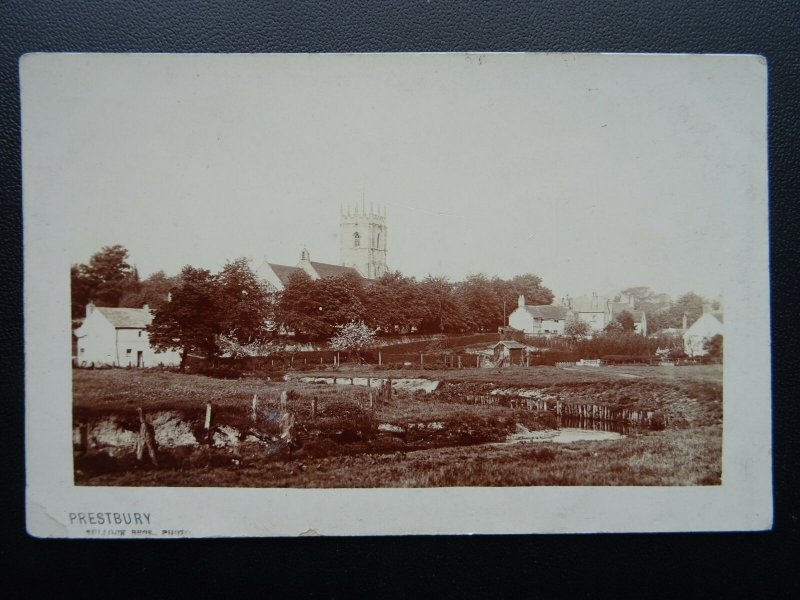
(117, 337)
(707, 326)
(543, 319)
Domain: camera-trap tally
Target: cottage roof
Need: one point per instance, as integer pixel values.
(509, 344)
(327, 270)
(547, 311)
(583, 304)
(127, 318)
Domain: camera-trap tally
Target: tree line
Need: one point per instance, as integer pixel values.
(226, 312)
(232, 311)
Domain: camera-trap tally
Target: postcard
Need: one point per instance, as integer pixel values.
(395, 294)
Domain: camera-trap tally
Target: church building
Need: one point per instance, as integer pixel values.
(362, 251)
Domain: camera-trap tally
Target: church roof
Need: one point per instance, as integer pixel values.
(327, 270)
(284, 272)
(127, 318)
(547, 311)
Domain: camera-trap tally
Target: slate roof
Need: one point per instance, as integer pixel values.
(547, 311)
(509, 344)
(326, 270)
(126, 318)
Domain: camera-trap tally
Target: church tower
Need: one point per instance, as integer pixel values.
(362, 240)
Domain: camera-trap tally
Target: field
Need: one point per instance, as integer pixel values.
(342, 435)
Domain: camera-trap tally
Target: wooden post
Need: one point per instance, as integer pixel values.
(421, 361)
(146, 440)
(313, 408)
(207, 424)
(254, 412)
(459, 361)
(371, 400)
(338, 360)
(83, 430)
(284, 400)
(291, 360)
(380, 358)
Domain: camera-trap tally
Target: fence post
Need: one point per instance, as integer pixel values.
(459, 361)
(421, 361)
(207, 424)
(255, 407)
(313, 408)
(380, 358)
(284, 399)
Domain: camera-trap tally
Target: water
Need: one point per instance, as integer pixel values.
(564, 435)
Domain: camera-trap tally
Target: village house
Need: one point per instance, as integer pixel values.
(117, 337)
(703, 329)
(545, 319)
(594, 310)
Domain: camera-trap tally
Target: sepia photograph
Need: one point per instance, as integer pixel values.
(535, 273)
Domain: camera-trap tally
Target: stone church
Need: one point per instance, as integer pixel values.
(362, 251)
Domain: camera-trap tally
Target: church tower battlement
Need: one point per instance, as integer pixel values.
(362, 240)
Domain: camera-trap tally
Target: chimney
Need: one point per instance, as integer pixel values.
(521, 301)
(146, 306)
(685, 322)
(89, 309)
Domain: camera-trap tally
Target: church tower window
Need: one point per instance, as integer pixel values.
(356, 240)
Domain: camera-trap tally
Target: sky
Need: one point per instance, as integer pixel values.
(595, 172)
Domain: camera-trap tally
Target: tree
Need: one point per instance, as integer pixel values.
(531, 287)
(483, 306)
(443, 308)
(246, 303)
(191, 321)
(394, 303)
(576, 328)
(352, 337)
(153, 291)
(298, 308)
(625, 319)
(713, 346)
(689, 304)
(104, 281)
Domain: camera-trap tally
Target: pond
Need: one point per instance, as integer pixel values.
(564, 435)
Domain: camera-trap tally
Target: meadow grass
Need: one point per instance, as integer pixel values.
(462, 453)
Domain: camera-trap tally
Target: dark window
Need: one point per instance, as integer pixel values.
(356, 240)
(128, 351)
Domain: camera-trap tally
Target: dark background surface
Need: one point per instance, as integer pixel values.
(744, 564)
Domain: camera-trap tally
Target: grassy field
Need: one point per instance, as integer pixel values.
(415, 439)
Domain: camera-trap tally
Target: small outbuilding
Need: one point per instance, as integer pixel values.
(509, 352)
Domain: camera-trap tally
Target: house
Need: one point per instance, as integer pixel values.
(117, 337)
(639, 318)
(509, 352)
(277, 276)
(544, 319)
(704, 328)
(594, 310)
